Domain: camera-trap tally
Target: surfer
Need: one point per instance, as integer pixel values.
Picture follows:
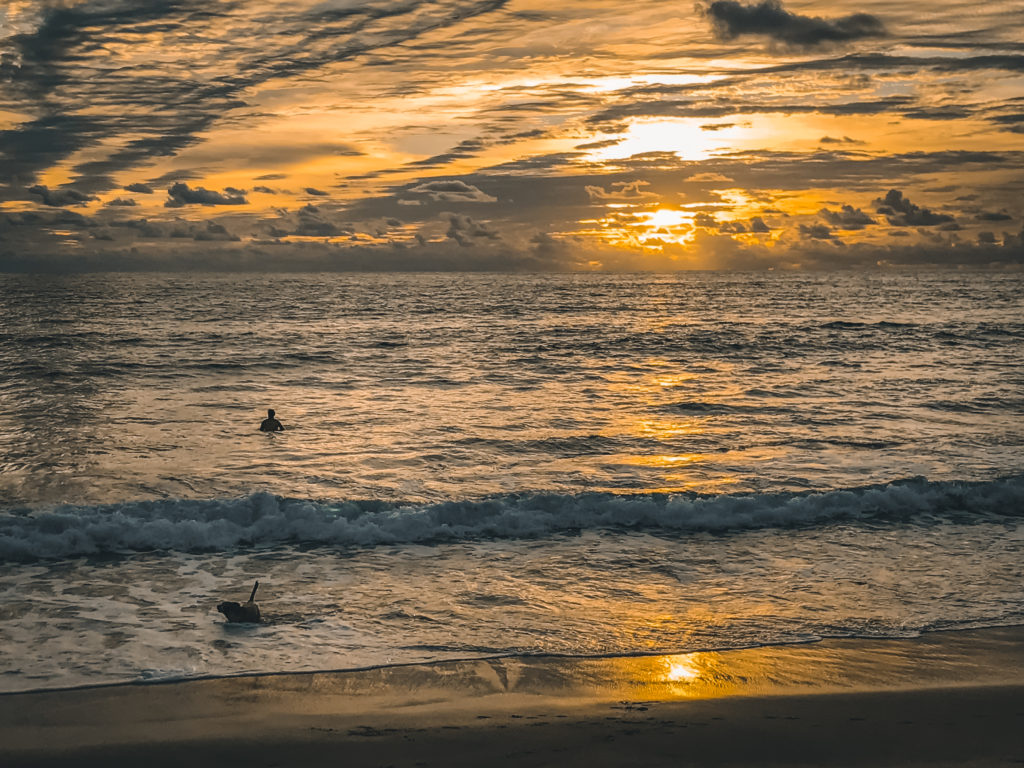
(271, 424)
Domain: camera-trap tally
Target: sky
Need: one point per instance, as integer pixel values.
(510, 134)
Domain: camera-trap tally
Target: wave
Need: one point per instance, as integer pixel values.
(263, 519)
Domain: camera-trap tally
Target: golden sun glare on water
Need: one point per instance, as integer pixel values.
(682, 669)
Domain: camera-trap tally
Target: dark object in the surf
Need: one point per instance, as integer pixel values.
(248, 613)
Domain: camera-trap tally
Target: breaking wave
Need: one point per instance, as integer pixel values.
(262, 519)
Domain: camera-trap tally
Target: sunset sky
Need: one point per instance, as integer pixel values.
(510, 134)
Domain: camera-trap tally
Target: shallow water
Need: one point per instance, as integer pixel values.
(490, 464)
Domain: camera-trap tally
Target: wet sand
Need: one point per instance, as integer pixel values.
(945, 699)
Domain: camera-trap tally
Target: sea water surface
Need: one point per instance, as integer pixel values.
(480, 465)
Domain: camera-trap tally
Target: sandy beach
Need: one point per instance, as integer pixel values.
(943, 699)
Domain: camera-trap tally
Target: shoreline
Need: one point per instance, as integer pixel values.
(953, 698)
(542, 658)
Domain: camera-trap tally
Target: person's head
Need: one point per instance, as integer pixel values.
(270, 413)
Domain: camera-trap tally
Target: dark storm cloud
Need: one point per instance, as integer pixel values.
(180, 194)
(847, 217)
(313, 223)
(900, 212)
(60, 197)
(466, 231)
(308, 221)
(768, 18)
(816, 231)
(32, 219)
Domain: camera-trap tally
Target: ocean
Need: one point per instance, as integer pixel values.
(480, 465)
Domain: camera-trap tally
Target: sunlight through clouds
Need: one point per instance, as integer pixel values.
(646, 137)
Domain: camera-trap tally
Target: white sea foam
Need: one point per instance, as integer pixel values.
(262, 519)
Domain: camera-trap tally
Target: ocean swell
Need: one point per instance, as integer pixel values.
(262, 519)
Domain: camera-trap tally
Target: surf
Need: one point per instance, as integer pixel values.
(263, 519)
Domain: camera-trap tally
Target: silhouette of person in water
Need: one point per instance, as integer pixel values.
(270, 424)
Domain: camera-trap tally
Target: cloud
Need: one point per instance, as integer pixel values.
(214, 232)
(757, 225)
(316, 192)
(839, 140)
(602, 144)
(144, 189)
(847, 218)
(900, 212)
(313, 222)
(180, 194)
(464, 230)
(622, 190)
(93, 55)
(122, 202)
(993, 216)
(451, 191)
(816, 232)
(58, 198)
(707, 177)
(615, 115)
(461, 151)
(880, 61)
(768, 18)
(307, 221)
(1013, 122)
